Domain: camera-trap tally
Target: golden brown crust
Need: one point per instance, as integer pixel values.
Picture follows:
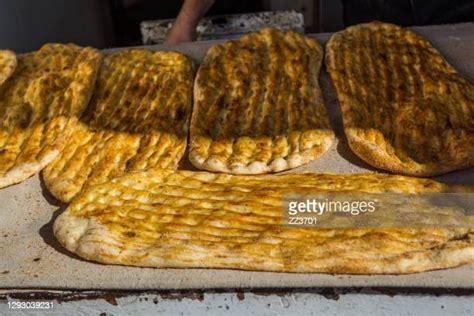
(138, 119)
(166, 218)
(7, 64)
(40, 104)
(405, 109)
(258, 107)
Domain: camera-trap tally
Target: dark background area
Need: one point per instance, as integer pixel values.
(27, 24)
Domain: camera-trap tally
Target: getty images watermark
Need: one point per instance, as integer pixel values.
(308, 211)
(356, 210)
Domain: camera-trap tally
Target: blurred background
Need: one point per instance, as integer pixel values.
(27, 24)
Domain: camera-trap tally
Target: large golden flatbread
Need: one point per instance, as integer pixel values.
(405, 109)
(40, 104)
(7, 64)
(137, 119)
(258, 107)
(183, 219)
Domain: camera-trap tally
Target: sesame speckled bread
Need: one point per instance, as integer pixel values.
(183, 219)
(7, 64)
(138, 119)
(258, 107)
(40, 104)
(405, 109)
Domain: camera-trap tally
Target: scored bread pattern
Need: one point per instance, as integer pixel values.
(258, 107)
(40, 104)
(405, 109)
(138, 119)
(7, 64)
(184, 219)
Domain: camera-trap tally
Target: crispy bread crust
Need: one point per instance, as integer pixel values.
(405, 109)
(263, 111)
(182, 219)
(137, 120)
(40, 105)
(7, 64)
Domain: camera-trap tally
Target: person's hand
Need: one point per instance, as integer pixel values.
(180, 33)
(184, 27)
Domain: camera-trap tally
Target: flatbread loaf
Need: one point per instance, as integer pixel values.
(137, 119)
(258, 107)
(184, 219)
(40, 104)
(404, 108)
(7, 64)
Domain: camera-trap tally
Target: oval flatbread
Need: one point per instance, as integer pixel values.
(258, 107)
(404, 108)
(137, 119)
(182, 219)
(39, 106)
